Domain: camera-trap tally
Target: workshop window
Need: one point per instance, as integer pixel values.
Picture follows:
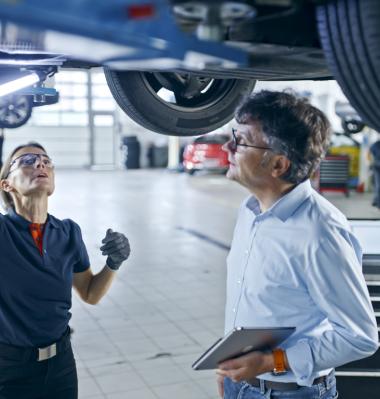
(72, 108)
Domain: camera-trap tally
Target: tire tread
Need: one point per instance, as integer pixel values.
(349, 32)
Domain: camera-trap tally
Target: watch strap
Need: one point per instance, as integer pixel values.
(279, 361)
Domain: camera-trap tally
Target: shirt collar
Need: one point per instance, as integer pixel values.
(23, 223)
(286, 205)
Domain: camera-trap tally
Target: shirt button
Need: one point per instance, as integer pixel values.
(239, 281)
(234, 310)
(246, 251)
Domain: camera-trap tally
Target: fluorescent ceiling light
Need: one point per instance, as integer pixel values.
(17, 84)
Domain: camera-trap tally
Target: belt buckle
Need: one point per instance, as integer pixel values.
(47, 353)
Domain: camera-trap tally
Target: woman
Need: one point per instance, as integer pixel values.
(42, 257)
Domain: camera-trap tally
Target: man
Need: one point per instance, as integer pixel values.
(293, 261)
(375, 151)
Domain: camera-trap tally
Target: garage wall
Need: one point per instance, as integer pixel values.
(64, 130)
(68, 146)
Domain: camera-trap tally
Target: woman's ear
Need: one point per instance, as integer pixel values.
(280, 165)
(5, 186)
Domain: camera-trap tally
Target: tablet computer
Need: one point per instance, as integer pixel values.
(240, 341)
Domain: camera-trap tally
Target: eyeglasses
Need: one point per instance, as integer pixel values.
(29, 160)
(234, 144)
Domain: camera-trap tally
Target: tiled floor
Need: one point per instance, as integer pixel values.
(166, 306)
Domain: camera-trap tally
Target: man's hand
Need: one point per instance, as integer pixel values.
(247, 366)
(116, 247)
(220, 383)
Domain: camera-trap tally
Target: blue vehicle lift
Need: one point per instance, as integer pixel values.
(134, 30)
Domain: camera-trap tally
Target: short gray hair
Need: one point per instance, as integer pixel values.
(292, 127)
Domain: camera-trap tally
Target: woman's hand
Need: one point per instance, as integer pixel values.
(116, 247)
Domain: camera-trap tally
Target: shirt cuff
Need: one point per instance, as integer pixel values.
(300, 360)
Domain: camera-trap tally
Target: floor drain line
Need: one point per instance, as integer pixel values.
(204, 237)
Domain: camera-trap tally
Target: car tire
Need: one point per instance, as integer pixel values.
(15, 111)
(136, 94)
(350, 35)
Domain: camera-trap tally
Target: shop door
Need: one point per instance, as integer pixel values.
(103, 141)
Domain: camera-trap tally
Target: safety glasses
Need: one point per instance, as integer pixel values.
(30, 160)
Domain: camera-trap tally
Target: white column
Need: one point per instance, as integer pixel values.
(173, 156)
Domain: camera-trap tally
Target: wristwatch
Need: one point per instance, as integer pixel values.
(279, 362)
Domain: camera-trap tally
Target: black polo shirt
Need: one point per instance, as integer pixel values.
(35, 289)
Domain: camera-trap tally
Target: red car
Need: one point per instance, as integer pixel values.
(205, 153)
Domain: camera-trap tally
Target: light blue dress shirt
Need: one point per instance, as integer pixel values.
(299, 265)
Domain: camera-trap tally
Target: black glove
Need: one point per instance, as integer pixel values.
(116, 247)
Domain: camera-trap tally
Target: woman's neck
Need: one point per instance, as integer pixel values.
(35, 211)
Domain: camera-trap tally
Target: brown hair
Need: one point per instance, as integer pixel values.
(292, 126)
(6, 198)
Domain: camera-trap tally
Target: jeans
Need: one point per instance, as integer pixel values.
(29, 379)
(243, 390)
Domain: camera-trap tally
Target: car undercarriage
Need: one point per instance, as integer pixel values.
(208, 55)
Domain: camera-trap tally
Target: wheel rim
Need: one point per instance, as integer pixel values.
(185, 92)
(14, 110)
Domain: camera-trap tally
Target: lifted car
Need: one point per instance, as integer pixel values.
(207, 54)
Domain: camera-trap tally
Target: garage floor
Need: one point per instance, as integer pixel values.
(166, 306)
